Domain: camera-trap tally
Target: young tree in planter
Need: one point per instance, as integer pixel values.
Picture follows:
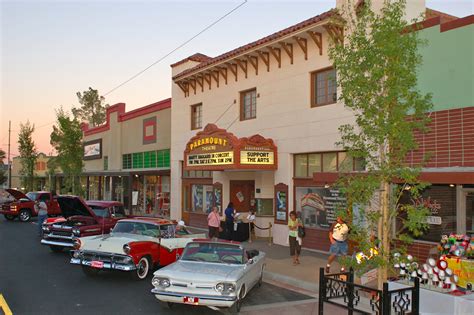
(376, 73)
(66, 138)
(28, 155)
(92, 109)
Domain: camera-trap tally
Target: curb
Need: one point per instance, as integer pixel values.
(305, 285)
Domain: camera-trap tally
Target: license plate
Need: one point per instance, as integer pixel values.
(97, 264)
(191, 300)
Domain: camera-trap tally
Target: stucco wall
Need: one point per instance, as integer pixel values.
(448, 66)
(283, 114)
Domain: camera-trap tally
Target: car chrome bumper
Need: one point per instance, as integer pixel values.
(107, 265)
(206, 300)
(56, 243)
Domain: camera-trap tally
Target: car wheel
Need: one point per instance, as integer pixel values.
(56, 249)
(25, 215)
(238, 304)
(89, 271)
(9, 217)
(143, 268)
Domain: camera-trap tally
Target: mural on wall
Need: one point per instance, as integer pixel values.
(318, 205)
(93, 149)
(149, 130)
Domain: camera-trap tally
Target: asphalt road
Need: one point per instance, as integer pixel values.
(34, 280)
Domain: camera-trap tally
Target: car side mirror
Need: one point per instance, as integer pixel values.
(250, 261)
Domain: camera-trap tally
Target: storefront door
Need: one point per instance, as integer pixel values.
(242, 194)
(470, 212)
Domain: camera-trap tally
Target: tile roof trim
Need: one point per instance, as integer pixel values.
(277, 36)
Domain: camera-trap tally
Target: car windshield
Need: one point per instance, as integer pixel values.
(213, 253)
(138, 228)
(32, 196)
(100, 211)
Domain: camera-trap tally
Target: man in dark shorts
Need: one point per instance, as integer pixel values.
(338, 236)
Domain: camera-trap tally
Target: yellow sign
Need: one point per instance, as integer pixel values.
(207, 140)
(216, 158)
(464, 269)
(256, 157)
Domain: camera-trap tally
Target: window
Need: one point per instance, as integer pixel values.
(149, 159)
(106, 163)
(323, 87)
(197, 174)
(196, 116)
(248, 104)
(202, 198)
(308, 163)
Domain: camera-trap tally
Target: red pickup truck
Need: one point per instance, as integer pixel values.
(80, 218)
(23, 206)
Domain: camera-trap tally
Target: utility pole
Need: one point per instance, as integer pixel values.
(9, 161)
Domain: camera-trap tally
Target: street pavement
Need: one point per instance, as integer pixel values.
(34, 280)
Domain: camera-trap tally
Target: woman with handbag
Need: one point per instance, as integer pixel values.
(214, 223)
(294, 224)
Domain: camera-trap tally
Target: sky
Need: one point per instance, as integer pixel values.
(50, 50)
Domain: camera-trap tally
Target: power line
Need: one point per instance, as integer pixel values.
(172, 51)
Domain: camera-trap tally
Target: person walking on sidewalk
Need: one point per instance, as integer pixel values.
(293, 238)
(42, 209)
(338, 237)
(229, 220)
(214, 223)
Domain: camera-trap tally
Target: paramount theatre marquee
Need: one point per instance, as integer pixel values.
(216, 149)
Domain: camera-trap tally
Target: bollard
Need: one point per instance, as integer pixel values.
(270, 237)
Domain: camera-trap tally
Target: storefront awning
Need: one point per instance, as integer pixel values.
(215, 149)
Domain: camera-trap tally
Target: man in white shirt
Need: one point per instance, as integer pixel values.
(338, 236)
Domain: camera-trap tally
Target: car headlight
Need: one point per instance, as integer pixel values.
(76, 254)
(223, 287)
(126, 249)
(76, 232)
(161, 282)
(45, 228)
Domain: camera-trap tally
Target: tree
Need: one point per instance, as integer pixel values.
(92, 109)
(52, 167)
(28, 155)
(66, 138)
(376, 72)
(3, 178)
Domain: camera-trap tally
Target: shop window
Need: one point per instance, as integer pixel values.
(308, 163)
(264, 207)
(126, 161)
(137, 160)
(106, 163)
(248, 104)
(314, 163)
(301, 165)
(323, 87)
(441, 201)
(196, 116)
(202, 198)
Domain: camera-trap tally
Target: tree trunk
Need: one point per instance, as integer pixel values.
(384, 234)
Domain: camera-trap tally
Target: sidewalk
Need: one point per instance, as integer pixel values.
(279, 265)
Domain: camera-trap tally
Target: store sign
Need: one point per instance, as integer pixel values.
(433, 220)
(93, 150)
(216, 149)
(216, 158)
(256, 157)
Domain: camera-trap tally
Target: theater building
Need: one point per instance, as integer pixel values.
(127, 158)
(258, 126)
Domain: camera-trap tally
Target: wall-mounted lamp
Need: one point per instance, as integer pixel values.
(326, 186)
(451, 185)
(136, 175)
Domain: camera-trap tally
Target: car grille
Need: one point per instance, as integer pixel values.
(61, 233)
(105, 257)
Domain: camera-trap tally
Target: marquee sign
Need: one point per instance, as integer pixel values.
(216, 149)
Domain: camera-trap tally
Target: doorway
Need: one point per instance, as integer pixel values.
(242, 195)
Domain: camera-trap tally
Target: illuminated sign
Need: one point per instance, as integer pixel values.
(256, 157)
(207, 141)
(209, 159)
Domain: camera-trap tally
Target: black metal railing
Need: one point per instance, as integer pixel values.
(339, 289)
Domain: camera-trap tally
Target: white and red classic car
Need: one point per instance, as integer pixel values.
(135, 245)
